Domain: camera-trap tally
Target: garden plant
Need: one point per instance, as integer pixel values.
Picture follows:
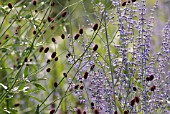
(85, 57)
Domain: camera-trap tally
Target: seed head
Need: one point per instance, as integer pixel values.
(56, 59)
(53, 54)
(62, 36)
(55, 84)
(76, 86)
(52, 4)
(95, 27)
(81, 31)
(78, 111)
(65, 75)
(48, 69)
(41, 49)
(86, 75)
(34, 2)
(10, 5)
(52, 111)
(153, 88)
(53, 40)
(95, 47)
(132, 102)
(76, 36)
(64, 14)
(137, 99)
(46, 49)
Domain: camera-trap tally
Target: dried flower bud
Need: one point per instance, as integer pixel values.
(123, 3)
(153, 88)
(76, 86)
(34, 2)
(48, 69)
(126, 112)
(65, 75)
(46, 50)
(36, 11)
(151, 77)
(48, 61)
(86, 75)
(68, 55)
(137, 99)
(55, 84)
(34, 32)
(16, 105)
(81, 31)
(84, 112)
(26, 59)
(96, 111)
(10, 5)
(62, 36)
(41, 49)
(95, 27)
(92, 67)
(132, 102)
(52, 111)
(76, 36)
(78, 111)
(133, 0)
(134, 89)
(92, 104)
(52, 3)
(53, 54)
(64, 14)
(53, 40)
(115, 112)
(95, 47)
(56, 59)
(52, 27)
(7, 36)
(50, 19)
(81, 87)
(147, 79)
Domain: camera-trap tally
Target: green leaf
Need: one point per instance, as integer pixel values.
(26, 72)
(39, 86)
(37, 110)
(37, 99)
(118, 105)
(28, 16)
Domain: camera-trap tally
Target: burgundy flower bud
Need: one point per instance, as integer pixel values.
(84, 112)
(10, 5)
(92, 104)
(132, 102)
(78, 111)
(95, 27)
(34, 32)
(48, 61)
(96, 111)
(62, 36)
(53, 54)
(153, 88)
(134, 89)
(48, 69)
(64, 14)
(56, 59)
(92, 67)
(16, 105)
(124, 3)
(65, 75)
(7, 36)
(76, 86)
(41, 49)
(115, 112)
(126, 112)
(26, 59)
(76, 36)
(34, 2)
(53, 40)
(52, 3)
(52, 27)
(46, 50)
(52, 111)
(137, 99)
(81, 31)
(133, 0)
(55, 84)
(95, 47)
(147, 79)
(151, 77)
(86, 75)
(68, 55)
(81, 87)
(50, 19)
